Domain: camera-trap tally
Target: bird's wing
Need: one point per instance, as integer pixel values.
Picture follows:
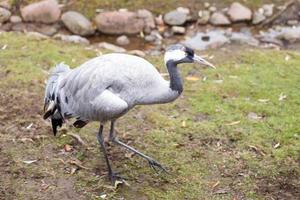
(104, 107)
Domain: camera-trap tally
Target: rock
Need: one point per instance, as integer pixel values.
(258, 17)
(5, 4)
(159, 20)
(119, 22)
(178, 30)
(212, 9)
(292, 22)
(148, 18)
(150, 38)
(77, 23)
(5, 27)
(45, 29)
(238, 13)
(137, 53)
(122, 40)
(72, 39)
(202, 41)
(111, 47)
(206, 5)
(219, 19)
(243, 38)
(46, 11)
(268, 9)
(289, 34)
(154, 37)
(290, 13)
(4, 15)
(175, 18)
(183, 10)
(15, 19)
(36, 35)
(204, 16)
(286, 34)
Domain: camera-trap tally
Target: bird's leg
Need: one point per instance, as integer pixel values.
(113, 176)
(153, 163)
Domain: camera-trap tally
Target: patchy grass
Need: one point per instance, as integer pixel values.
(88, 7)
(212, 146)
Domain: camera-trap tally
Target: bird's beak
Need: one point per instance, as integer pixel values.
(198, 59)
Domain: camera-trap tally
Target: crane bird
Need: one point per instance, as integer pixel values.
(105, 88)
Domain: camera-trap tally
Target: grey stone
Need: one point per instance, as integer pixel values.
(178, 30)
(137, 53)
(292, 22)
(119, 22)
(243, 38)
(77, 23)
(72, 39)
(4, 15)
(206, 5)
(15, 19)
(111, 47)
(268, 9)
(6, 4)
(238, 13)
(202, 41)
(175, 18)
(258, 17)
(148, 18)
(204, 16)
(219, 19)
(46, 11)
(122, 40)
(212, 9)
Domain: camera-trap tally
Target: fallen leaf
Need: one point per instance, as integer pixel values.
(29, 161)
(263, 100)
(29, 126)
(216, 184)
(4, 47)
(282, 97)
(129, 155)
(233, 123)
(253, 116)
(117, 183)
(276, 145)
(77, 163)
(192, 78)
(218, 81)
(73, 170)
(222, 191)
(183, 124)
(78, 138)
(68, 148)
(204, 78)
(26, 139)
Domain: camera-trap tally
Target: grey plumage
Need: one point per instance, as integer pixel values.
(105, 88)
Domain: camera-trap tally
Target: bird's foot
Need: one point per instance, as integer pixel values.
(156, 166)
(116, 179)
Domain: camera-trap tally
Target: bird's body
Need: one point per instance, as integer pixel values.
(105, 88)
(108, 86)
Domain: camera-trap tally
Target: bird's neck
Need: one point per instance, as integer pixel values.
(175, 80)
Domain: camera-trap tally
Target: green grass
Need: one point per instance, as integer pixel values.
(218, 148)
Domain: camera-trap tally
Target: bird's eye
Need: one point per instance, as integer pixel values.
(189, 51)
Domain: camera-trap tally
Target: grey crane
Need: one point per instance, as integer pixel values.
(107, 87)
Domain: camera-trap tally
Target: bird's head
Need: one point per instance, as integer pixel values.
(179, 53)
